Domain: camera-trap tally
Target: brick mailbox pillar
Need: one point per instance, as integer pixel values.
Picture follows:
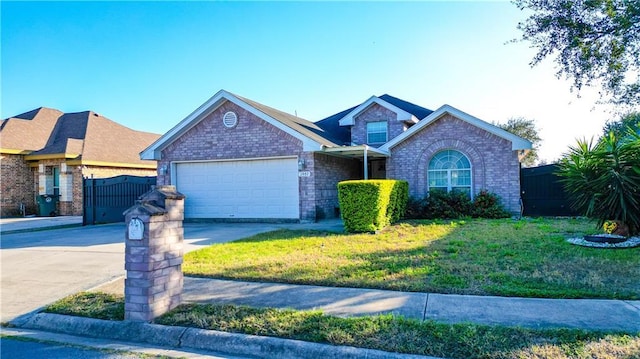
(153, 254)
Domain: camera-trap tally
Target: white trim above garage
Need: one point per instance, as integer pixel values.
(261, 188)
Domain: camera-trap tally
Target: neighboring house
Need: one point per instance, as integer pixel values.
(45, 151)
(234, 158)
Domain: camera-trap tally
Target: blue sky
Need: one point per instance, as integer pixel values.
(147, 65)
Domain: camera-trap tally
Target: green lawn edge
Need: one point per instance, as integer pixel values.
(505, 257)
(385, 332)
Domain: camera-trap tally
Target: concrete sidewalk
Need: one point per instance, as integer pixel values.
(606, 315)
(23, 224)
(591, 314)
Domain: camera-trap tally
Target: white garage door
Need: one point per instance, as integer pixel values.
(240, 189)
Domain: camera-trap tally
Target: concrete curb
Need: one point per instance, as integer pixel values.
(39, 229)
(201, 339)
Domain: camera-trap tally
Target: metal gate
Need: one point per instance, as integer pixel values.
(542, 192)
(105, 199)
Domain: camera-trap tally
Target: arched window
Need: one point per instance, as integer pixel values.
(450, 170)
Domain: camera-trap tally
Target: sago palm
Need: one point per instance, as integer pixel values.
(603, 179)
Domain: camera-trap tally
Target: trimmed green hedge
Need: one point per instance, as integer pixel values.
(370, 205)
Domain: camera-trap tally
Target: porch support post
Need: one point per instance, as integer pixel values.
(366, 170)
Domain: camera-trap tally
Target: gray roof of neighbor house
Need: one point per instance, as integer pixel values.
(342, 134)
(84, 136)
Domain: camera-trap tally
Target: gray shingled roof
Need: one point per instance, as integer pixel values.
(342, 134)
(302, 126)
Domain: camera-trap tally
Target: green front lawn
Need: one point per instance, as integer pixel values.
(528, 258)
(388, 333)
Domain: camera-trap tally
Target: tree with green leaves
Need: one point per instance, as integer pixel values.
(597, 43)
(628, 122)
(526, 129)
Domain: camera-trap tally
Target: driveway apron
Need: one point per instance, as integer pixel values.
(41, 267)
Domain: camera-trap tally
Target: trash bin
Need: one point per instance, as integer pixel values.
(47, 205)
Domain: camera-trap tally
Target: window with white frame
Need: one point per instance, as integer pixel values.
(450, 170)
(377, 132)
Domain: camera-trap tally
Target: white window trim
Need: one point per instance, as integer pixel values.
(449, 186)
(386, 132)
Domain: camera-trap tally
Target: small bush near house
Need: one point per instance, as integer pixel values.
(453, 205)
(440, 204)
(371, 205)
(487, 205)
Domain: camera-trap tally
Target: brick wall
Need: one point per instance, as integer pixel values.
(16, 185)
(375, 113)
(495, 167)
(328, 172)
(20, 182)
(252, 137)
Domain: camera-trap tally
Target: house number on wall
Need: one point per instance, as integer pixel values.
(136, 229)
(304, 174)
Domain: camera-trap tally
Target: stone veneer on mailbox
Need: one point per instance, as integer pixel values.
(153, 260)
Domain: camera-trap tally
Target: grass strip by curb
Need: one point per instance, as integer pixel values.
(386, 332)
(95, 305)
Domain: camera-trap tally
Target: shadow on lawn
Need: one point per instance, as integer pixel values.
(528, 258)
(397, 334)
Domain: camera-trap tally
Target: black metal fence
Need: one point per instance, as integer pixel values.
(105, 199)
(542, 192)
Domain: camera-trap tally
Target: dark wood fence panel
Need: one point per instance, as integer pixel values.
(105, 199)
(542, 192)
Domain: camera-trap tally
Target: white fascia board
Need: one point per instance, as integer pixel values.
(401, 115)
(359, 148)
(153, 152)
(517, 142)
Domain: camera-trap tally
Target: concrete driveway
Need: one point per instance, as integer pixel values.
(41, 267)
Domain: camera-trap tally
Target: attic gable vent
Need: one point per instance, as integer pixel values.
(230, 119)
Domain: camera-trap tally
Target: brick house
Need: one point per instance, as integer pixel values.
(236, 159)
(45, 151)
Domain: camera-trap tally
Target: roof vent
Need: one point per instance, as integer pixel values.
(230, 119)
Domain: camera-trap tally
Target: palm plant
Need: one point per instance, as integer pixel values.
(603, 179)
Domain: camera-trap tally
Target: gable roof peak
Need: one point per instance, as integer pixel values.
(401, 114)
(517, 142)
(312, 136)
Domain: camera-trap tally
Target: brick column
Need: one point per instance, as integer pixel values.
(153, 254)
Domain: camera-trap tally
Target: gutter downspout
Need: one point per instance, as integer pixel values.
(366, 171)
